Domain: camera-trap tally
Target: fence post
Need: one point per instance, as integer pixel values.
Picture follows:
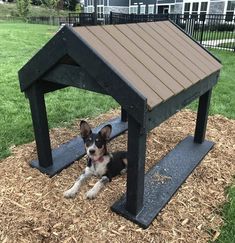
(111, 17)
(131, 18)
(95, 13)
(203, 25)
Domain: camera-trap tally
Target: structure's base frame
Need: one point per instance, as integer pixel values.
(67, 153)
(163, 180)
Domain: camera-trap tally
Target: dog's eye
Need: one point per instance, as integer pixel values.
(89, 139)
(97, 140)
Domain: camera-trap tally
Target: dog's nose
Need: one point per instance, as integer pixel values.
(91, 151)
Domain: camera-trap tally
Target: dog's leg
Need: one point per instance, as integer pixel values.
(75, 188)
(125, 162)
(92, 193)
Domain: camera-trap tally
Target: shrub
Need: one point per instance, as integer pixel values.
(23, 7)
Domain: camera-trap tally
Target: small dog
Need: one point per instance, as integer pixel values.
(100, 163)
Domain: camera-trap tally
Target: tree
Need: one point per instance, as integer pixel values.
(52, 4)
(36, 2)
(79, 8)
(23, 7)
(70, 4)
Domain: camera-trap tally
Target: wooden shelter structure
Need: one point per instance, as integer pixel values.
(152, 70)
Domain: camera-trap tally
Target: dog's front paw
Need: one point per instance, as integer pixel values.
(91, 194)
(69, 194)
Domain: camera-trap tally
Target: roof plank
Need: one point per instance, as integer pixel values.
(181, 39)
(119, 51)
(152, 98)
(170, 46)
(163, 50)
(157, 57)
(182, 47)
(138, 53)
(197, 47)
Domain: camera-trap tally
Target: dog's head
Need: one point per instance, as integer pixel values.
(95, 143)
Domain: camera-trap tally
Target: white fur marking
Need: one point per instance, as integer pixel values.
(75, 188)
(100, 168)
(92, 193)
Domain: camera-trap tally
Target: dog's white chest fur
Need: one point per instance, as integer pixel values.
(100, 168)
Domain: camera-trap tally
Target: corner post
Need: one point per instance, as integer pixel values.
(202, 116)
(40, 124)
(136, 162)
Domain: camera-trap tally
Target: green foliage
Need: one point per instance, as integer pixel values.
(70, 4)
(23, 7)
(79, 8)
(228, 230)
(51, 4)
(36, 2)
(10, 10)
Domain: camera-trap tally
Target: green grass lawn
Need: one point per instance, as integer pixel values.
(228, 230)
(20, 41)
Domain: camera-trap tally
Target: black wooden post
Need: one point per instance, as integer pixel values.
(123, 115)
(136, 162)
(202, 30)
(95, 12)
(111, 17)
(202, 115)
(40, 124)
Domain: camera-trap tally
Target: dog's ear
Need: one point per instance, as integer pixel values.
(105, 132)
(85, 129)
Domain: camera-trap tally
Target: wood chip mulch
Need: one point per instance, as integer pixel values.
(32, 207)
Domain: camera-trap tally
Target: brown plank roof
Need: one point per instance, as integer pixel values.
(156, 58)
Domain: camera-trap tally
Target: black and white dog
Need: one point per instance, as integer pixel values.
(100, 163)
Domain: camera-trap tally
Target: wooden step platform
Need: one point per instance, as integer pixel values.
(164, 179)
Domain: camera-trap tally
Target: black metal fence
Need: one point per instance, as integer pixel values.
(83, 19)
(52, 20)
(211, 30)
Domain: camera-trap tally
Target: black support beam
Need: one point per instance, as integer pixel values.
(75, 76)
(202, 116)
(136, 162)
(40, 124)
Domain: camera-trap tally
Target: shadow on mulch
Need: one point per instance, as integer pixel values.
(33, 209)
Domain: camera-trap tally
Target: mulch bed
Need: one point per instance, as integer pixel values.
(32, 207)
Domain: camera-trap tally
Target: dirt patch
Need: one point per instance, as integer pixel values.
(33, 209)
